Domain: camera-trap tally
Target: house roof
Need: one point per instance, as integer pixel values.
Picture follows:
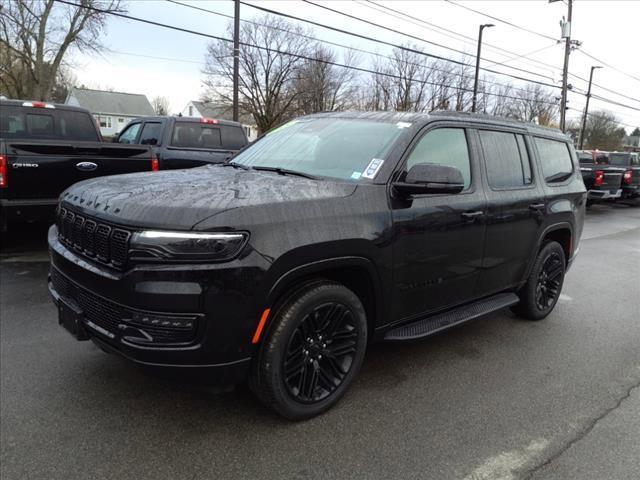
(118, 103)
(212, 110)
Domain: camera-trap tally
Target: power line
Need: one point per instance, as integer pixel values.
(304, 57)
(408, 35)
(609, 66)
(507, 22)
(280, 52)
(383, 42)
(470, 40)
(348, 47)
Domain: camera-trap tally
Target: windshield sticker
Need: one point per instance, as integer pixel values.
(372, 169)
(356, 175)
(403, 125)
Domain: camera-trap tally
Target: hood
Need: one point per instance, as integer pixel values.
(181, 199)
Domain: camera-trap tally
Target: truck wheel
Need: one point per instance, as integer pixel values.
(313, 351)
(541, 292)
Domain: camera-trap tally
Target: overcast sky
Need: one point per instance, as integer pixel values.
(608, 29)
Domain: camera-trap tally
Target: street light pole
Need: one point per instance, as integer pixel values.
(475, 81)
(586, 110)
(236, 61)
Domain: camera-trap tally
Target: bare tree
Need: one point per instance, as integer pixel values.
(534, 103)
(160, 105)
(35, 36)
(322, 86)
(267, 77)
(603, 131)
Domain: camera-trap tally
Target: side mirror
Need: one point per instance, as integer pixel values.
(429, 178)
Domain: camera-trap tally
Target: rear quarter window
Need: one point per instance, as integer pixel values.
(555, 159)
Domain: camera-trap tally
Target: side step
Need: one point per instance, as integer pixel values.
(429, 325)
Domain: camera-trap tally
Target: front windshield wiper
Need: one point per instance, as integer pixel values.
(286, 171)
(236, 165)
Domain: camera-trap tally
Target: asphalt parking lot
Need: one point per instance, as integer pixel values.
(498, 398)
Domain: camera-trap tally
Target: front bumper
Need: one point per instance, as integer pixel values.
(176, 316)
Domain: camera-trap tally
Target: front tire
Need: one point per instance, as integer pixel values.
(313, 352)
(541, 292)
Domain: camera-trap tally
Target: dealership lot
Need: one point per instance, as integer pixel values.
(497, 398)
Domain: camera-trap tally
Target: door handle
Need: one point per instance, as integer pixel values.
(472, 215)
(537, 206)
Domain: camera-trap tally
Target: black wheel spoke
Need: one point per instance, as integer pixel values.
(320, 352)
(549, 281)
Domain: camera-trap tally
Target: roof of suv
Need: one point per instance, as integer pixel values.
(424, 118)
(219, 121)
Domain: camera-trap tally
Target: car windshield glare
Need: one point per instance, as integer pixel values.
(325, 147)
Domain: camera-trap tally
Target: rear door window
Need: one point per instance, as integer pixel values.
(555, 159)
(151, 133)
(130, 134)
(506, 159)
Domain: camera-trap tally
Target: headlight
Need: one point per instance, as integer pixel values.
(160, 244)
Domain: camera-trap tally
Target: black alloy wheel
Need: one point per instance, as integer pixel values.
(320, 352)
(549, 281)
(539, 295)
(312, 351)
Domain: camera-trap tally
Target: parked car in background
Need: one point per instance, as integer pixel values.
(603, 181)
(330, 232)
(45, 148)
(631, 176)
(184, 142)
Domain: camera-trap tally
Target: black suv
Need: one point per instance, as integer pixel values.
(330, 232)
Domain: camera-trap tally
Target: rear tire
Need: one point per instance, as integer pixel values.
(540, 294)
(313, 351)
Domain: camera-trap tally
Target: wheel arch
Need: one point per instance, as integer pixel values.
(562, 232)
(358, 274)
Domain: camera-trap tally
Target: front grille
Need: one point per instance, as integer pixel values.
(111, 316)
(100, 241)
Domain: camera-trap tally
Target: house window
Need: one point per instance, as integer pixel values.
(190, 110)
(247, 130)
(105, 122)
(121, 120)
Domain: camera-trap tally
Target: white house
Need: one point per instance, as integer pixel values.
(211, 110)
(112, 110)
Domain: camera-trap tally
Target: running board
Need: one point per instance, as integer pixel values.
(429, 325)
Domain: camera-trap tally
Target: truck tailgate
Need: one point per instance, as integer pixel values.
(43, 169)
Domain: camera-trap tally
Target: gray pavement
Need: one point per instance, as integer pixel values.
(498, 398)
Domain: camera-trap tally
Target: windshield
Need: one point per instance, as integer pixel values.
(347, 149)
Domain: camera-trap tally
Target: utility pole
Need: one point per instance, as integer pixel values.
(566, 33)
(236, 61)
(475, 82)
(586, 109)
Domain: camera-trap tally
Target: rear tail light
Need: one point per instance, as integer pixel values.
(599, 178)
(155, 165)
(626, 178)
(4, 181)
(208, 120)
